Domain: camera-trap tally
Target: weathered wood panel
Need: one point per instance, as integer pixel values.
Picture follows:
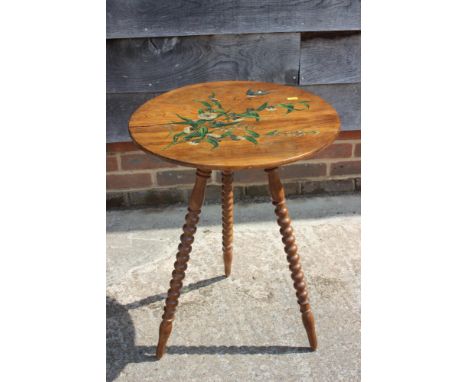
(157, 18)
(330, 58)
(344, 97)
(161, 64)
(119, 108)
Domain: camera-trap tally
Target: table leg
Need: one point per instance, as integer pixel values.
(182, 258)
(281, 210)
(228, 220)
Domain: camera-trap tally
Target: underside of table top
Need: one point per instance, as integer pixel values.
(233, 125)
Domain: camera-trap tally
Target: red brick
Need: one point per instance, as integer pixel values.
(357, 150)
(143, 161)
(337, 150)
(127, 181)
(174, 178)
(346, 168)
(111, 163)
(305, 170)
(351, 134)
(121, 147)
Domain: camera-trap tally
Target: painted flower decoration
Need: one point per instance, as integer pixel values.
(215, 123)
(207, 116)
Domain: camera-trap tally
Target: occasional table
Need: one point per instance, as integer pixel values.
(228, 126)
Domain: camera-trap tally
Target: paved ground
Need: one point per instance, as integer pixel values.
(247, 327)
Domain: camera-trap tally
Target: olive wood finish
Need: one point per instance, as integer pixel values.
(227, 126)
(182, 258)
(289, 240)
(228, 220)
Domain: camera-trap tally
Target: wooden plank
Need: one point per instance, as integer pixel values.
(119, 108)
(158, 18)
(161, 64)
(330, 58)
(345, 98)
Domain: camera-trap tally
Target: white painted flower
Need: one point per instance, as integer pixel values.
(270, 108)
(238, 120)
(214, 135)
(292, 98)
(208, 116)
(192, 143)
(187, 130)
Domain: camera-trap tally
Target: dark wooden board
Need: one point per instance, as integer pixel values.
(161, 64)
(330, 58)
(119, 108)
(345, 98)
(157, 18)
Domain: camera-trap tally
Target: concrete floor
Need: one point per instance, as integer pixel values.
(246, 327)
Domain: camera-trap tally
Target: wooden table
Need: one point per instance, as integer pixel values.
(234, 125)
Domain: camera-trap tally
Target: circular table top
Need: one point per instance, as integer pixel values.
(231, 125)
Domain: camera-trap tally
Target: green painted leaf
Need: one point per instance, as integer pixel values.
(226, 134)
(288, 106)
(262, 107)
(251, 139)
(207, 104)
(203, 131)
(234, 137)
(223, 124)
(177, 136)
(217, 103)
(273, 132)
(252, 133)
(249, 114)
(305, 103)
(213, 141)
(192, 135)
(182, 123)
(185, 119)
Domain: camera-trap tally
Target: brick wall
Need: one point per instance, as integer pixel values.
(135, 178)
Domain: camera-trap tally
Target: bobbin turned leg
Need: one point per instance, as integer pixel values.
(182, 258)
(277, 194)
(228, 220)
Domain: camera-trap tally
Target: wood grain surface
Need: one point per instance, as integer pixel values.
(183, 255)
(330, 58)
(345, 98)
(151, 18)
(290, 248)
(231, 125)
(162, 64)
